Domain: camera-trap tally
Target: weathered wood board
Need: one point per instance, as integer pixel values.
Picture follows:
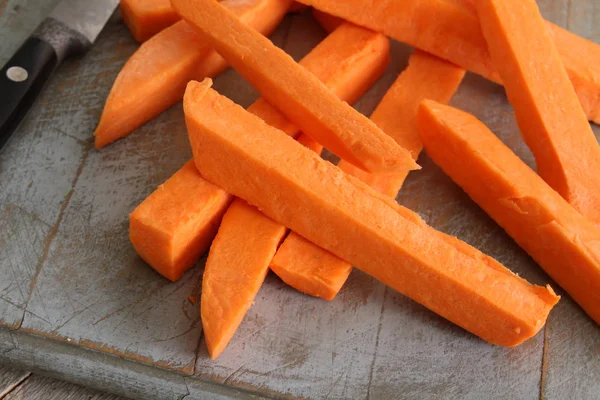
(77, 303)
(11, 379)
(17, 385)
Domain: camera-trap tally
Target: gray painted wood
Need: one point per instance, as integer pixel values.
(37, 167)
(93, 299)
(107, 298)
(105, 372)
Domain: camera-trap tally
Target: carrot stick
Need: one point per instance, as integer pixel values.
(551, 119)
(450, 30)
(244, 247)
(348, 61)
(154, 78)
(327, 21)
(250, 238)
(295, 187)
(426, 77)
(145, 18)
(310, 143)
(176, 223)
(303, 99)
(236, 267)
(559, 239)
(309, 268)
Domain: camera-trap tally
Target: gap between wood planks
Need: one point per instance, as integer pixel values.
(14, 385)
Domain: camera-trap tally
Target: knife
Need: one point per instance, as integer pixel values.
(70, 30)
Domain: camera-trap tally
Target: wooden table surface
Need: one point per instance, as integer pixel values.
(19, 385)
(77, 303)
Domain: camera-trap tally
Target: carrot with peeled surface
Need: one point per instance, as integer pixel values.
(176, 223)
(327, 21)
(295, 187)
(236, 268)
(248, 240)
(449, 29)
(559, 239)
(310, 269)
(310, 143)
(426, 77)
(296, 92)
(314, 271)
(154, 78)
(145, 18)
(348, 61)
(551, 120)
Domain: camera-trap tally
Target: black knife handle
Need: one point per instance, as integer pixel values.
(21, 80)
(24, 76)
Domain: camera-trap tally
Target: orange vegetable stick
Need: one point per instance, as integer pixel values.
(236, 267)
(426, 77)
(348, 61)
(176, 223)
(450, 30)
(327, 21)
(310, 269)
(297, 93)
(244, 247)
(310, 143)
(314, 271)
(145, 18)
(558, 238)
(154, 78)
(295, 187)
(551, 119)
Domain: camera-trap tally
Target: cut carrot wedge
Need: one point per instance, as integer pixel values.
(310, 269)
(154, 78)
(426, 77)
(314, 271)
(145, 18)
(295, 187)
(563, 242)
(450, 30)
(551, 119)
(177, 223)
(580, 57)
(348, 61)
(327, 21)
(236, 267)
(297, 93)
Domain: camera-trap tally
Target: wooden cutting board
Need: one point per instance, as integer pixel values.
(76, 302)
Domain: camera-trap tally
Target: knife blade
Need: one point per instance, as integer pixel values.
(70, 29)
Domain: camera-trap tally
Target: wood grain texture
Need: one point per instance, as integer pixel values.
(66, 207)
(44, 388)
(37, 170)
(106, 298)
(10, 379)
